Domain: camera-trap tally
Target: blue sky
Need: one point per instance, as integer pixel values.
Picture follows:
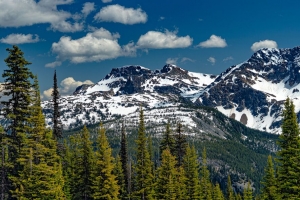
(83, 40)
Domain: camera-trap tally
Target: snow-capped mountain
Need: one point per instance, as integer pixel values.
(124, 90)
(254, 91)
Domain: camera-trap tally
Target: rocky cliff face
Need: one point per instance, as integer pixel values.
(253, 92)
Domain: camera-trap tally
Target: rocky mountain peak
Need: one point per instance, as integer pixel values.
(253, 92)
(127, 71)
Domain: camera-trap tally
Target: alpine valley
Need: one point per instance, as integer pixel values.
(235, 115)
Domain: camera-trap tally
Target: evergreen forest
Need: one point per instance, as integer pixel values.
(42, 163)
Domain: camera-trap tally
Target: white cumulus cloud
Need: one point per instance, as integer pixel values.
(184, 59)
(54, 64)
(213, 42)
(20, 39)
(120, 14)
(106, 1)
(67, 87)
(19, 13)
(212, 60)
(95, 46)
(263, 44)
(172, 61)
(87, 8)
(160, 40)
(228, 58)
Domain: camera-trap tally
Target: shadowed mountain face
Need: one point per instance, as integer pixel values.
(254, 92)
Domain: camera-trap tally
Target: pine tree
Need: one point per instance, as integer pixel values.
(124, 157)
(248, 192)
(166, 178)
(16, 110)
(118, 172)
(67, 168)
(180, 144)
(269, 182)
(4, 164)
(84, 168)
(143, 168)
(205, 183)
(72, 181)
(289, 155)
(180, 187)
(167, 140)
(151, 153)
(217, 193)
(229, 190)
(191, 168)
(105, 182)
(40, 171)
(238, 197)
(57, 126)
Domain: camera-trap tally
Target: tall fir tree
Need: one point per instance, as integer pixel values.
(124, 157)
(105, 182)
(118, 172)
(84, 168)
(72, 165)
(205, 183)
(16, 109)
(238, 197)
(167, 140)
(180, 144)
(124, 160)
(269, 182)
(57, 126)
(166, 177)
(151, 153)
(289, 155)
(229, 189)
(67, 166)
(4, 164)
(217, 193)
(144, 177)
(40, 172)
(191, 168)
(248, 195)
(180, 184)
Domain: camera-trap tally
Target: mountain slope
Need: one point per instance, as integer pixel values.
(253, 92)
(232, 148)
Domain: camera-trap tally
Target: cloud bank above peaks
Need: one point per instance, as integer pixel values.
(163, 40)
(263, 44)
(120, 14)
(18, 13)
(102, 45)
(96, 46)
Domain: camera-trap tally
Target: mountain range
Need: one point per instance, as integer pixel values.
(252, 92)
